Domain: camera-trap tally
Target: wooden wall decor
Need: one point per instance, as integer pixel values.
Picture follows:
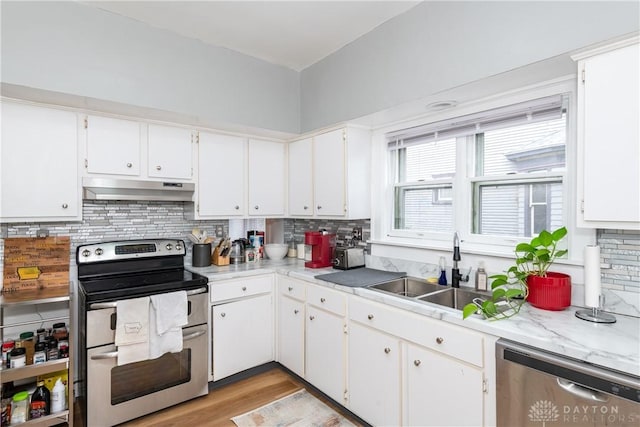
(35, 268)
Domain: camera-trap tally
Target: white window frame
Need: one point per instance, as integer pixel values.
(383, 183)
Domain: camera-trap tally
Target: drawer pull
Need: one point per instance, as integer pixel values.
(439, 340)
(370, 317)
(417, 362)
(296, 311)
(244, 288)
(322, 300)
(312, 317)
(387, 350)
(223, 314)
(290, 288)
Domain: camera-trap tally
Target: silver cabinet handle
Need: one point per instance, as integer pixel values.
(312, 317)
(370, 317)
(417, 362)
(322, 300)
(158, 167)
(65, 206)
(583, 392)
(387, 350)
(193, 335)
(223, 314)
(102, 356)
(129, 165)
(296, 311)
(439, 340)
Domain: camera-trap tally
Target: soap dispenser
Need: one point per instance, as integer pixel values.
(481, 278)
(443, 273)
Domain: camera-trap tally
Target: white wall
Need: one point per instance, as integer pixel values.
(440, 45)
(80, 50)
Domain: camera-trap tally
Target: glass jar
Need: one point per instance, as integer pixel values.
(7, 346)
(63, 347)
(59, 330)
(18, 357)
(52, 348)
(40, 354)
(19, 407)
(41, 335)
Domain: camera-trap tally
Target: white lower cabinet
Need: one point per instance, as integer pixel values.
(442, 391)
(374, 375)
(291, 314)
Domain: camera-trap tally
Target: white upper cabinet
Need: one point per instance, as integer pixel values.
(221, 175)
(301, 178)
(339, 167)
(170, 153)
(113, 146)
(267, 178)
(609, 136)
(39, 161)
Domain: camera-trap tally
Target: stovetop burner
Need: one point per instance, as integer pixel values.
(111, 271)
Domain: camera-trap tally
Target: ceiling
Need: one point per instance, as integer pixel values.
(294, 34)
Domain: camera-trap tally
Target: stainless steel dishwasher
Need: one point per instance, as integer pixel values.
(538, 388)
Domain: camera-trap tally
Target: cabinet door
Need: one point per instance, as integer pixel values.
(291, 334)
(113, 146)
(221, 172)
(267, 172)
(300, 178)
(374, 376)
(169, 152)
(442, 391)
(329, 173)
(39, 163)
(242, 335)
(325, 352)
(612, 137)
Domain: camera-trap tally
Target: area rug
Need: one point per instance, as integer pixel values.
(298, 409)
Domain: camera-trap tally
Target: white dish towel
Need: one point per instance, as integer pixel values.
(132, 330)
(167, 316)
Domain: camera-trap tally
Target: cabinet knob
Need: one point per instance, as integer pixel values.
(223, 314)
(158, 167)
(322, 300)
(305, 207)
(129, 165)
(387, 350)
(417, 362)
(290, 288)
(65, 206)
(370, 317)
(296, 311)
(319, 207)
(237, 207)
(439, 340)
(244, 288)
(312, 317)
(256, 207)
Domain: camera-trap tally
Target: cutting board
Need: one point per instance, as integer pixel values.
(360, 277)
(35, 268)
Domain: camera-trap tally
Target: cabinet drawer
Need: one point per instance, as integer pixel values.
(239, 288)
(453, 341)
(379, 316)
(326, 299)
(292, 288)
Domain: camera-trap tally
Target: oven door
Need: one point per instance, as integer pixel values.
(120, 393)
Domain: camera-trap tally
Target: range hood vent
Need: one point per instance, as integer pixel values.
(125, 189)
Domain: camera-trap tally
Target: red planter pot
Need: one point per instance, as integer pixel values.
(550, 293)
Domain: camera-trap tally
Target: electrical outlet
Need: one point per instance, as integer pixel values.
(357, 233)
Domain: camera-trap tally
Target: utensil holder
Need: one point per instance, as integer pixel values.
(201, 255)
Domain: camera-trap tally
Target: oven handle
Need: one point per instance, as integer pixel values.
(114, 304)
(114, 354)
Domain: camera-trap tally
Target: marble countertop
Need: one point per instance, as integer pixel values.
(615, 346)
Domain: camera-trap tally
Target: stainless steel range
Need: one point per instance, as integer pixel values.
(113, 274)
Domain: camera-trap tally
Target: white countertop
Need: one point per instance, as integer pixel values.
(615, 346)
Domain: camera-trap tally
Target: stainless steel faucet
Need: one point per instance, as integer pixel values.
(456, 277)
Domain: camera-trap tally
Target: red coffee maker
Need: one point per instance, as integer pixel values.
(322, 245)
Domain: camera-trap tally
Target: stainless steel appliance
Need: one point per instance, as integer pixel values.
(348, 258)
(535, 388)
(111, 272)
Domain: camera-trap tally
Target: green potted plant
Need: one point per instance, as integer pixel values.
(528, 280)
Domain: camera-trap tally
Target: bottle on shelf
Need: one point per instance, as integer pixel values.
(19, 407)
(40, 401)
(58, 400)
(481, 278)
(40, 353)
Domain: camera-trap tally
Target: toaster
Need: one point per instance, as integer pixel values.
(348, 257)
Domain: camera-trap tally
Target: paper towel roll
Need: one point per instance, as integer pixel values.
(592, 276)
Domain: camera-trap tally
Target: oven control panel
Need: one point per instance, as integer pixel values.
(129, 249)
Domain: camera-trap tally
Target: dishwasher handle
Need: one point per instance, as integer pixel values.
(581, 391)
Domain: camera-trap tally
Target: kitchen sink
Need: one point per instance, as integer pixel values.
(407, 287)
(453, 297)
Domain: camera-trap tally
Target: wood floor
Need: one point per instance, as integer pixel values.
(217, 408)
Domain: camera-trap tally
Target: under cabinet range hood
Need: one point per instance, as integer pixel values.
(126, 189)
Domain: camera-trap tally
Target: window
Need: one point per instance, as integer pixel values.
(509, 162)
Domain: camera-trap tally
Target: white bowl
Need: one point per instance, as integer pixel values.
(276, 250)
